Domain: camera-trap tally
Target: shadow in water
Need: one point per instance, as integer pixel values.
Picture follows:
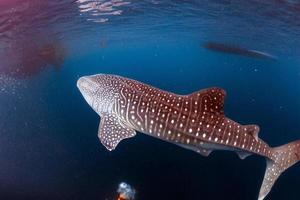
(28, 59)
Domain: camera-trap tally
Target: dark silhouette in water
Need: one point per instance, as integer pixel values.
(53, 54)
(103, 43)
(31, 59)
(230, 49)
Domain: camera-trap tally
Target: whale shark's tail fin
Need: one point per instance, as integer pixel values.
(282, 158)
(261, 54)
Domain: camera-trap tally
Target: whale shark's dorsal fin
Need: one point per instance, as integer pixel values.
(252, 130)
(210, 100)
(112, 131)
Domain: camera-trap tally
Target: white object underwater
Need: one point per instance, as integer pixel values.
(126, 192)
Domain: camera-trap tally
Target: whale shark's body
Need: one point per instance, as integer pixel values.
(195, 121)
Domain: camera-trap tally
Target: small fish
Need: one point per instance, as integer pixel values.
(195, 121)
(230, 49)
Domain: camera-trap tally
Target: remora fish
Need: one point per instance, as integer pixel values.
(195, 121)
(230, 49)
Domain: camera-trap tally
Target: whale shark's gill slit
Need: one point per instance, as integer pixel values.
(112, 131)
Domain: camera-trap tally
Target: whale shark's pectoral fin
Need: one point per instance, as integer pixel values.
(112, 131)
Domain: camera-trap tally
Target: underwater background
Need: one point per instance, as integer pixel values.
(49, 147)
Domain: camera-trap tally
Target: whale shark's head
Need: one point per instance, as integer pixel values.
(98, 91)
(88, 87)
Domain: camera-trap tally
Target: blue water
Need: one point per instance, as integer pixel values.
(49, 147)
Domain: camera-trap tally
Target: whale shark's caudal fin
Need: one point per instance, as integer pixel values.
(283, 157)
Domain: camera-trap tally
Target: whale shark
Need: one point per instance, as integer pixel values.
(235, 50)
(195, 121)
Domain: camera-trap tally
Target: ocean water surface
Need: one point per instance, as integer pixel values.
(49, 147)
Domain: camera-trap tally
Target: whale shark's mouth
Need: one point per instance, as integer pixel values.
(81, 82)
(87, 86)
